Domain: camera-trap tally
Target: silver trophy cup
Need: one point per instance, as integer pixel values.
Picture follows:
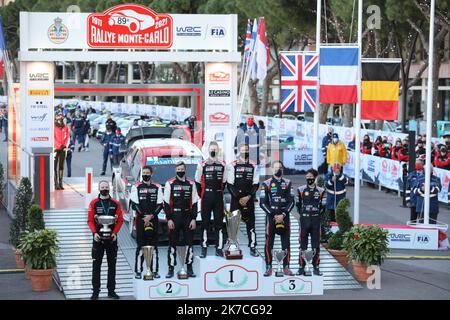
(233, 221)
(308, 255)
(279, 257)
(148, 256)
(105, 221)
(182, 252)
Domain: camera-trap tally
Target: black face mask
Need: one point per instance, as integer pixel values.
(104, 193)
(212, 154)
(181, 174)
(246, 155)
(146, 177)
(310, 181)
(278, 173)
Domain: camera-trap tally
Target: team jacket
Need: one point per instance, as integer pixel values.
(442, 162)
(210, 176)
(242, 179)
(276, 196)
(310, 200)
(146, 198)
(435, 188)
(112, 206)
(115, 143)
(335, 190)
(411, 197)
(180, 197)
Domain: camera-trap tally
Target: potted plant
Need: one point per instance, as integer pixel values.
(366, 246)
(35, 218)
(39, 250)
(335, 242)
(19, 222)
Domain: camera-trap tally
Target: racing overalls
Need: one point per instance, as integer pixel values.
(210, 179)
(146, 200)
(276, 199)
(310, 207)
(111, 207)
(180, 206)
(242, 181)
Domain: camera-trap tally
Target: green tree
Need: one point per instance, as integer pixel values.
(23, 202)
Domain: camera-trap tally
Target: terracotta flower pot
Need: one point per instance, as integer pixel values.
(340, 256)
(19, 262)
(360, 271)
(41, 280)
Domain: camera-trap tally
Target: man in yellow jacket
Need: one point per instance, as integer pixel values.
(336, 152)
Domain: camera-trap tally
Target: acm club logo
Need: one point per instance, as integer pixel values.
(58, 32)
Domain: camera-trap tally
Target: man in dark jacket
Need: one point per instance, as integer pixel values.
(335, 183)
(411, 197)
(419, 191)
(249, 134)
(78, 127)
(107, 150)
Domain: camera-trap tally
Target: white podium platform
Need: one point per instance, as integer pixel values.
(221, 278)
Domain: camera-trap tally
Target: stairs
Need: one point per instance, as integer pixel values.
(74, 262)
(335, 276)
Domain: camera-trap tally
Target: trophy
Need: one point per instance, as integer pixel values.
(233, 220)
(182, 251)
(279, 257)
(148, 256)
(106, 221)
(308, 255)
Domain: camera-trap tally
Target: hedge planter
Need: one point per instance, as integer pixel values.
(19, 261)
(41, 280)
(340, 256)
(360, 271)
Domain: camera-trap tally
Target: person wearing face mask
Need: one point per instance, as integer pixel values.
(210, 179)
(326, 141)
(403, 154)
(366, 146)
(107, 150)
(420, 149)
(116, 142)
(146, 201)
(104, 205)
(411, 198)
(335, 186)
(336, 152)
(383, 149)
(78, 125)
(61, 141)
(310, 208)
(180, 207)
(419, 191)
(442, 159)
(277, 201)
(396, 150)
(243, 182)
(249, 134)
(351, 145)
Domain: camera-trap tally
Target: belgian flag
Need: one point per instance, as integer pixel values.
(380, 86)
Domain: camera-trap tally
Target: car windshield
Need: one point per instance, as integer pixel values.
(164, 172)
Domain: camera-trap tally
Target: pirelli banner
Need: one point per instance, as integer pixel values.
(380, 86)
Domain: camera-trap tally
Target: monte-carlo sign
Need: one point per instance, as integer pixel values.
(128, 26)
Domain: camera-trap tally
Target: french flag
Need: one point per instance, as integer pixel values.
(339, 74)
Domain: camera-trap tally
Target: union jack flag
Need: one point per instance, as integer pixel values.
(299, 81)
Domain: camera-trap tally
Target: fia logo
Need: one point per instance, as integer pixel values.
(217, 32)
(423, 238)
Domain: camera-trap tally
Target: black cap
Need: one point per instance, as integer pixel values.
(335, 135)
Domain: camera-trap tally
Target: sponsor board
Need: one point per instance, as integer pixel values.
(129, 26)
(189, 31)
(219, 93)
(39, 92)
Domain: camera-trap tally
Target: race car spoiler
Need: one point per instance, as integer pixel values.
(145, 133)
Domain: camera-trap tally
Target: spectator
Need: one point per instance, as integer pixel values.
(351, 145)
(420, 149)
(447, 140)
(403, 154)
(107, 152)
(86, 131)
(442, 159)
(61, 140)
(384, 149)
(327, 140)
(110, 124)
(78, 129)
(366, 146)
(4, 122)
(395, 150)
(378, 142)
(249, 135)
(336, 152)
(70, 151)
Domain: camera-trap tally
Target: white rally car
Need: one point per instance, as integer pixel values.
(134, 21)
(162, 153)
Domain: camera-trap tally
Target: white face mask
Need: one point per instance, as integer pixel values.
(335, 140)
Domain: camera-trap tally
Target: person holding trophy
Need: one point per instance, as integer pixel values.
(210, 180)
(104, 220)
(180, 206)
(277, 201)
(147, 202)
(243, 182)
(310, 208)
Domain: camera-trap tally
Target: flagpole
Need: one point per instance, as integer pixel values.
(428, 171)
(358, 120)
(245, 85)
(315, 159)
